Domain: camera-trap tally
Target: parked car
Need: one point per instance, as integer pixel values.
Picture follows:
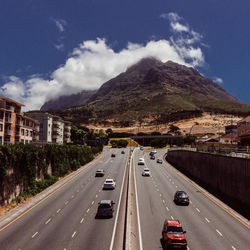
(159, 161)
(113, 155)
(105, 209)
(109, 184)
(141, 161)
(181, 197)
(99, 173)
(173, 235)
(146, 172)
(152, 157)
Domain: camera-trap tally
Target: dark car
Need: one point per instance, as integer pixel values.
(113, 155)
(105, 209)
(123, 152)
(99, 173)
(152, 157)
(181, 197)
(159, 161)
(173, 236)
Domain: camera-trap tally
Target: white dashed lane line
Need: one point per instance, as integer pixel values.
(219, 232)
(198, 209)
(58, 210)
(93, 202)
(48, 221)
(207, 220)
(73, 235)
(167, 208)
(96, 195)
(66, 202)
(163, 201)
(82, 220)
(87, 210)
(233, 248)
(34, 234)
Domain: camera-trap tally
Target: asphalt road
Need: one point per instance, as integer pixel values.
(66, 220)
(208, 226)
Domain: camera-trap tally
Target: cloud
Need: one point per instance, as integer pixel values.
(179, 27)
(218, 80)
(172, 16)
(94, 62)
(59, 46)
(60, 24)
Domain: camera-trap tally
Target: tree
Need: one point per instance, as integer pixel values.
(78, 136)
(174, 130)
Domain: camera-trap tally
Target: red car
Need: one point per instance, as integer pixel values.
(173, 235)
(152, 157)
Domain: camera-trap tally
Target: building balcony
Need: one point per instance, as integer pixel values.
(19, 123)
(8, 120)
(8, 132)
(9, 108)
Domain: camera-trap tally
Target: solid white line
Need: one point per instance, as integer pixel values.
(82, 220)
(58, 210)
(207, 220)
(233, 248)
(137, 209)
(48, 221)
(219, 232)
(198, 209)
(73, 234)
(118, 210)
(34, 234)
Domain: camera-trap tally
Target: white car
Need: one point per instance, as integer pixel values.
(109, 184)
(141, 161)
(146, 172)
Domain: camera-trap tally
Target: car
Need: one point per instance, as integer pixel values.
(105, 209)
(152, 157)
(141, 161)
(109, 184)
(123, 152)
(181, 197)
(159, 161)
(113, 155)
(146, 172)
(99, 173)
(154, 151)
(173, 236)
(151, 153)
(141, 147)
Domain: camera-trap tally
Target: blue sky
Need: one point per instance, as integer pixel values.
(51, 48)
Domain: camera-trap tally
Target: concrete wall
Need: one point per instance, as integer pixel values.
(228, 175)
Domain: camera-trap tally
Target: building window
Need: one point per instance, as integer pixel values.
(1, 127)
(1, 140)
(27, 133)
(248, 123)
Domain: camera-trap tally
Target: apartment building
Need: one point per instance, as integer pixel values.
(243, 128)
(52, 128)
(14, 126)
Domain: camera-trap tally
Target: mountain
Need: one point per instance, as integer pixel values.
(156, 92)
(63, 102)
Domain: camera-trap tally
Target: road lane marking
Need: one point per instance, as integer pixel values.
(219, 232)
(233, 248)
(87, 210)
(58, 210)
(207, 220)
(190, 202)
(72, 196)
(73, 235)
(48, 221)
(172, 217)
(93, 202)
(96, 195)
(198, 209)
(157, 190)
(163, 201)
(82, 220)
(118, 209)
(34, 234)
(167, 208)
(176, 186)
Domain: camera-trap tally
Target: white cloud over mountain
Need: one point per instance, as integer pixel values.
(94, 62)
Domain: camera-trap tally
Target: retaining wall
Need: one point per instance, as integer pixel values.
(229, 176)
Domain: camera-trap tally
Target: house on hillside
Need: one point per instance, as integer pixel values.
(230, 138)
(243, 130)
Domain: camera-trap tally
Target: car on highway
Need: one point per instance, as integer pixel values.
(173, 236)
(105, 209)
(141, 161)
(159, 161)
(123, 152)
(146, 172)
(109, 184)
(99, 173)
(113, 155)
(152, 157)
(181, 198)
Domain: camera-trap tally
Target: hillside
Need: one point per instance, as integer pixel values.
(159, 92)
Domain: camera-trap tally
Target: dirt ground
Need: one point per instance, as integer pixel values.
(206, 124)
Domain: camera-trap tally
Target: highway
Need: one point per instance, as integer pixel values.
(208, 226)
(66, 219)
